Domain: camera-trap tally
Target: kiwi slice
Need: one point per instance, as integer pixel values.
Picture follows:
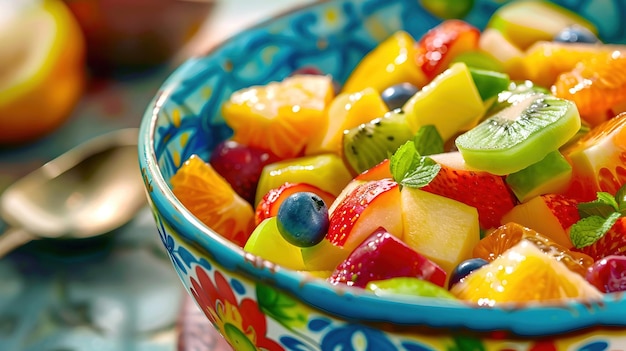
(520, 135)
(513, 93)
(370, 143)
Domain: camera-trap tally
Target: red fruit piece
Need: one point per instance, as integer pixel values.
(364, 208)
(486, 192)
(441, 44)
(268, 206)
(612, 242)
(608, 274)
(383, 256)
(241, 166)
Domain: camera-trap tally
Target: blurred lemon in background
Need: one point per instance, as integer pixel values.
(42, 68)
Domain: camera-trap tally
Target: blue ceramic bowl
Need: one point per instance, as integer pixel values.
(256, 304)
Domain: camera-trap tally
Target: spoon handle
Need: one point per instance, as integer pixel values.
(13, 238)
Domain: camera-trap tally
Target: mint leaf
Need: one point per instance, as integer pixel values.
(428, 141)
(409, 168)
(403, 160)
(607, 198)
(590, 209)
(603, 206)
(425, 171)
(588, 230)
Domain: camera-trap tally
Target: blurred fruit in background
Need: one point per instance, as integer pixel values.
(42, 71)
(131, 36)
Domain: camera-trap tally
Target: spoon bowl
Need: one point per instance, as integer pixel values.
(90, 190)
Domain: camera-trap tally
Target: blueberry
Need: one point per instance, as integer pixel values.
(397, 95)
(302, 219)
(464, 268)
(576, 34)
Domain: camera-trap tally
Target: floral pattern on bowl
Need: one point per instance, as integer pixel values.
(257, 305)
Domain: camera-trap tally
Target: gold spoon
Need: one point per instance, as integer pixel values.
(88, 191)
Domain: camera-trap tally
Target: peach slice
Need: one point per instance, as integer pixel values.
(551, 215)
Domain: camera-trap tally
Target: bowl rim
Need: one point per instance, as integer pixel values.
(523, 319)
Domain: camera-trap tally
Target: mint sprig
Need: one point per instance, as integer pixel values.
(411, 169)
(588, 230)
(597, 217)
(428, 141)
(603, 206)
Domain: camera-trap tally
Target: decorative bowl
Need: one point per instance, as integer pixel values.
(258, 305)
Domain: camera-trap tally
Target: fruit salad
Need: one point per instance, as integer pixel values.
(484, 166)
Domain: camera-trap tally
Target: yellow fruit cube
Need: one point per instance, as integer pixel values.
(391, 62)
(346, 111)
(442, 229)
(325, 171)
(267, 242)
(451, 102)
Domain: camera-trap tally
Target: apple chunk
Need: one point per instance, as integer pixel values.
(442, 229)
(368, 206)
(382, 256)
(361, 208)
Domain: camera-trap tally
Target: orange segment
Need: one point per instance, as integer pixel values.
(213, 201)
(523, 274)
(280, 116)
(508, 235)
(596, 85)
(544, 61)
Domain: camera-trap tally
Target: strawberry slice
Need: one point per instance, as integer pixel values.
(441, 44)
(383, 256)
(486, 192)
(613, 242)
(270, 203)
(241, 166)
